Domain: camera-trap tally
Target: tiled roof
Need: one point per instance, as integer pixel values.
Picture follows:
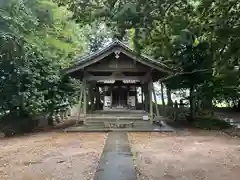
(80, 61)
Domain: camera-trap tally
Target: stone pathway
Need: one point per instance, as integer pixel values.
(116, 162)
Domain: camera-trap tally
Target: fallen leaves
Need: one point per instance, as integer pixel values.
(198, 156)
(53, 156)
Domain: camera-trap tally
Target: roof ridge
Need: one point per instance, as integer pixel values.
(142, 55)
(116, 42)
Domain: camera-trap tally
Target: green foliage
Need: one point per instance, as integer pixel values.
(37, 40)
(97, 35)
(192, 62)
(16, 123)
(198, 39)
(210, 123)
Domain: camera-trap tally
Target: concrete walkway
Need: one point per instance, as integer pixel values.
(116, 162)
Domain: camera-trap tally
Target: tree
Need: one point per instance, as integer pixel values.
(97, 35)
(37, 41)
(198, 39)
(157, 23)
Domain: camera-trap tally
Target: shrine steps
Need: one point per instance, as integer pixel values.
(101, 124)
(96, 122)
(98, 118)
(137, 127)
(120, 110)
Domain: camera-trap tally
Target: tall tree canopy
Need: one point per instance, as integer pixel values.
(198, 39)
(37, 40)
(209, 48)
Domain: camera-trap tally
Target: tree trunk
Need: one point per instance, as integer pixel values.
(192, 104)
(155, 101)
(207, 105)
(50, 118)
(163, 101)
(170, 103)
(51, 109)
(162, 95)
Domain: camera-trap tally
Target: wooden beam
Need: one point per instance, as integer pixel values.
(146, 77)
(155, 100)
(98, 78)
(91, 69)
(150, 100)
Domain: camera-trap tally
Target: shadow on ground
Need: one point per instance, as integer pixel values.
(57, 128)
(180, 126)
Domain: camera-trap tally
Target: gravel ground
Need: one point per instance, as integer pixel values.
(51, 156)
(195, 155)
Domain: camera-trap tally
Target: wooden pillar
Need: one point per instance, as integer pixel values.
(92, 95)
(146, 97)
(136, 98)
(150, 100)
(85, 103)
(163, 101)
(80, 99)
(89, 95)
(155, 100)
(88, 92)
(111, 98)
(128, 105)
(162, 95)
(97, 98)
(142, 97)
(104, 94)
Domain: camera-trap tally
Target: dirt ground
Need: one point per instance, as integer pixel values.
(197, 155)
(51, 156)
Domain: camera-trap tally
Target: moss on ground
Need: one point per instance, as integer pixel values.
(210, 123)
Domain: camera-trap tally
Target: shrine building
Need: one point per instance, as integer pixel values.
(116, 78)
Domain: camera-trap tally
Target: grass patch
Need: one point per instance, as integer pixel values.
(210, 123)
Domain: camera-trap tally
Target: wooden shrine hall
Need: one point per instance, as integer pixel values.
(117, 79)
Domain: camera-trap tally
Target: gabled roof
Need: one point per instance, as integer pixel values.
(116, 45)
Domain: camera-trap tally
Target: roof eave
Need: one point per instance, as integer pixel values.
(88, 60)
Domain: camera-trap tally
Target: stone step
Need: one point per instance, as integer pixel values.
(120, 111)
(95, 126)
(126, 120)
(114, 117)
(114, 120)
(89, 123)
(101, 124)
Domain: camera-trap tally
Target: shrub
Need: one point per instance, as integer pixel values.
(14, 123)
